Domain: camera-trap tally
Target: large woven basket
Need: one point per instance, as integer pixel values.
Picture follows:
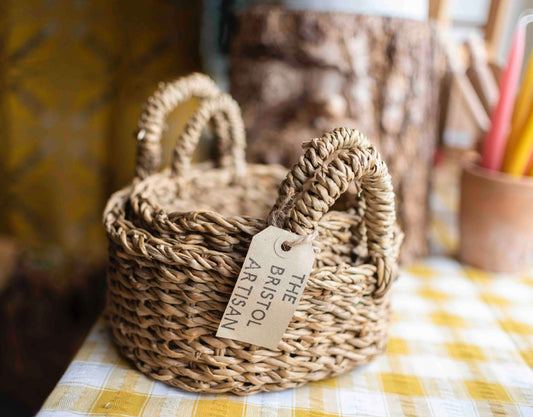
(178, 238)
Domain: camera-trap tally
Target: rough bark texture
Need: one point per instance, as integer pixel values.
(297, 74)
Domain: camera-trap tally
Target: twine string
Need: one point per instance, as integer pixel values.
(300, 240)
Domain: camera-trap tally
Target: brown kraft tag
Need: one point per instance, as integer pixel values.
(268, 289)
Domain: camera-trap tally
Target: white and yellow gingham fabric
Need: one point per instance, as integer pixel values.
(461, 344)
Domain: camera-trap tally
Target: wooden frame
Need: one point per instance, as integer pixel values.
(439, 11)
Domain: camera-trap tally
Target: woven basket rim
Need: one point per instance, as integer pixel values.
(199, 171)
(124, 195)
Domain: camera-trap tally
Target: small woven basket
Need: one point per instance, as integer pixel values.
(178, 238)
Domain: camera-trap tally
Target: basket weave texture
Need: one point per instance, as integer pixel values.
(178, 238)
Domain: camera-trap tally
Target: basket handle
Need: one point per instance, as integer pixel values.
(322, 174)
(222, 105)
(152, 121)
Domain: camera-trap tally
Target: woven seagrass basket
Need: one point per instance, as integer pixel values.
(178, 238)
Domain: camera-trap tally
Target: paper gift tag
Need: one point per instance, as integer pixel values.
(268, 289)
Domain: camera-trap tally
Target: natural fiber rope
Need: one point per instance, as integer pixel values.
(159, 105)
(223, 105)
(175, 257)
(322, 174)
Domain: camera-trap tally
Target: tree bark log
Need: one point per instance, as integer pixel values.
(297, 74)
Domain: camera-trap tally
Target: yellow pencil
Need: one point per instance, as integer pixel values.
(525, 99)
(523, 149)
(523, 105)
(530, 172)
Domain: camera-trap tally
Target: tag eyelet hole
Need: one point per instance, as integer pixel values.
(285, 247)
(282, 248)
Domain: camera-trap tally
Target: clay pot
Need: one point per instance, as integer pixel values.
(495, 220)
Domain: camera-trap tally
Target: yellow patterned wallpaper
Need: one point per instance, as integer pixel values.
(73, 77)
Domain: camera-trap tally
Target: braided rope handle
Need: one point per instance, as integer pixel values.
(152, 121)
(222, 105)
(322, 174)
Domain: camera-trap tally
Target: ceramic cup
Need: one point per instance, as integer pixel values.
(495, 220)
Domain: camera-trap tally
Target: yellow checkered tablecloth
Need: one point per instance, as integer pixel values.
(461, 344)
